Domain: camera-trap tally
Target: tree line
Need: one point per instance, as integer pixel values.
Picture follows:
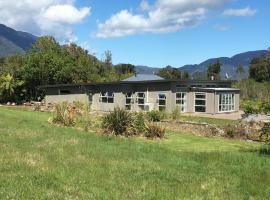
(48, 63)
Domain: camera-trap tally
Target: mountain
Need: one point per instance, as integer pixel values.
(146, 70)
(13, 42)
(229, 65)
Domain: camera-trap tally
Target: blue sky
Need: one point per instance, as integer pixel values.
(155, 33)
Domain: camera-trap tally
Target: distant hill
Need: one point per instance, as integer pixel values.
(13, 42)
(146, 70)
(229, 65)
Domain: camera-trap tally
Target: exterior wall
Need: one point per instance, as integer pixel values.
(52, 99)
(151, 90)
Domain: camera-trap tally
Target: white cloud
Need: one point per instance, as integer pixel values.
(72, 15)
(244, 12)
(164, 16)
(39, 17)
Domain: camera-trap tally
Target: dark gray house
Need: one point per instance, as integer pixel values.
(150, 92)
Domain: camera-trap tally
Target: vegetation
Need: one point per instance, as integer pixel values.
(42, 161)
(154, 130)
(64, 114)
(47, 62)
(118, 122)
(173, 73)
(260, 68)
(176, 113)
(214, 70)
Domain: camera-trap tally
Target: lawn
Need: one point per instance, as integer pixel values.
(42, 161)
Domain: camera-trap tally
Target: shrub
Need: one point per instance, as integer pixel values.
(176, 113)
(37, 107)
(139, 122)
(64, 114)
(251, 107)
(153, 130)
(154, 116)
(118, 122)
(265, 107)
(84, 122)
(230, 131)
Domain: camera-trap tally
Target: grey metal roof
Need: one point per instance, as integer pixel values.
(143, 77)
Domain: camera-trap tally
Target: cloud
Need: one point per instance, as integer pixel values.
(43, 17)
(244, 12)
(162, 17)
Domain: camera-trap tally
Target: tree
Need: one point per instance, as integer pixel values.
(259, 69)
(7, 87)
(240, 70)
(214, 70)
(185, 75)
(170, 73)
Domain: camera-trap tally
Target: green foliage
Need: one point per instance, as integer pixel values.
(139, 122)
(63, 114)
(8, 86)
(154, 130)
(255, 107)
(214, 70)
(118, 122)
(48, 62)
(154, 116)
(176, 113)
(252, 90)
(260, 68)
(172, 73)
(230, 131)
(240, 70)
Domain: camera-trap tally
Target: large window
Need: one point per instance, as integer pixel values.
(181, 101)
(129, 100)
(106, 97)
(200, 102)
(64, 92)
(161, 101)
(226, 102)
(141, 99)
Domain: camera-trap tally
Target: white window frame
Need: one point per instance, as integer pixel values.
(203, 99)
(105, 95)
(183, 101)
(131, 97)
(228, 102)
(162, 99)
(137, 98)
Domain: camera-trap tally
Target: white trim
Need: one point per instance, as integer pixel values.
(194, 106)
(227, 111)
(184, 106)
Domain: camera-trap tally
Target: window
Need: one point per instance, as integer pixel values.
(181, 101)
(106, 97)
(226, 102)
(141, 99)
(200, 102)
(161, 101)
(129, 100)
(64, 92)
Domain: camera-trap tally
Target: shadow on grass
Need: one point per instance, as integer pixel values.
(265, 150)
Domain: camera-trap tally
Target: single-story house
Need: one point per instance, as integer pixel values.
(150, 92)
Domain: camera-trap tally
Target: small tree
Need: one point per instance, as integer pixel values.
(214, 70)
(8, 85)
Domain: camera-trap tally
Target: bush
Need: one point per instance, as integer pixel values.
(154, 116)
(139, 122)
(64, 114)
(251, 107)
(230, 131)
(118, 122)
(153, 130)
(176, 113)
(265, 107)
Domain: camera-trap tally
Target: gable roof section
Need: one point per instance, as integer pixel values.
(143, 77)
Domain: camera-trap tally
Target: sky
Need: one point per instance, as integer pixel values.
(154, 33)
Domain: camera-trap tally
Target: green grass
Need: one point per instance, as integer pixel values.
(42, 161)
(209, 120)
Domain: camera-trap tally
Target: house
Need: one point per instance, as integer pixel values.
(150, 92)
